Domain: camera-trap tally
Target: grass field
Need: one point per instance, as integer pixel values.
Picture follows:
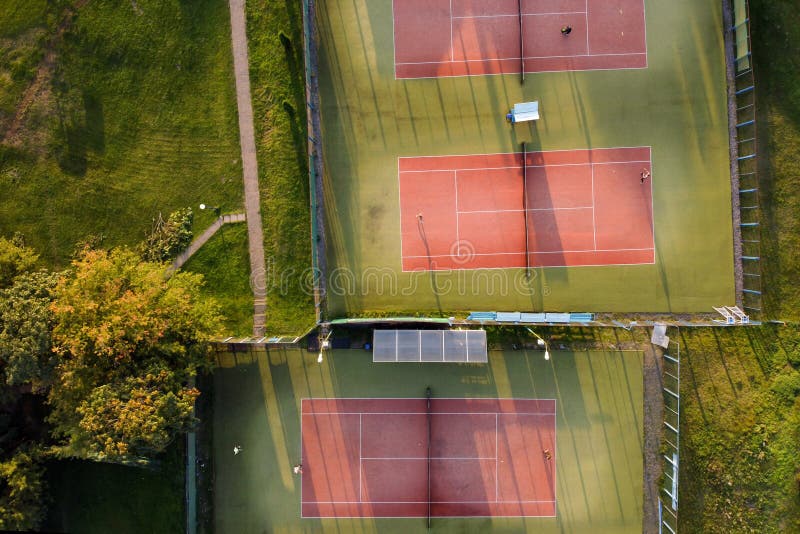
(599, 433)
(223, 261)
(677, 105)
(94, 497)
(741, 430)
(112, 132)
(740, 389)
(776, 33)
(23, 28)
(278, 88)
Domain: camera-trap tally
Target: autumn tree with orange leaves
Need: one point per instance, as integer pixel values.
(128, 337)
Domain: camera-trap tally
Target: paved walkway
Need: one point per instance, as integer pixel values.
(201, 240)
(252, 199)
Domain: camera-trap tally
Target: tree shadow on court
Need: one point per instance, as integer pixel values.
(343, 225)
(547, 237)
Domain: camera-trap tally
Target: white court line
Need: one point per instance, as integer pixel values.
(400, 199)
(432, 413)
(555, 470)
(545, 166)
(605, 149)
(587, 27)
(535, 252)
(529, 209)
(594, 218)
(302, 401)
(394, 40)
(455, 183)
(644, 25)
(473, 399)
(507, 267)
(360, 459)
(433, 502)
(467, 75)
(425, 458)
(517, 15)
(452, 46)
(517, 58)
(418, 516)
(496, 462)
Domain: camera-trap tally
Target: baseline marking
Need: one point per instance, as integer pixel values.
(517, 167)
(496, 462)
(360, 458)
(536, 252)
(517, 15)
(607, 54)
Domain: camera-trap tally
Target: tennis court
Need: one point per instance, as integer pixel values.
(564, 208)
(436, 38)
(494, 420)
(398, 458)
(661, 246)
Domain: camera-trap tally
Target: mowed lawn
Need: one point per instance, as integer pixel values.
(224, 263)
(93, 497)
(120, 110)
(599, 422)
(277, 78)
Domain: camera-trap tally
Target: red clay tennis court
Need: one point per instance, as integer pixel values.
(581, 207)
(434, 38)
(370, 458)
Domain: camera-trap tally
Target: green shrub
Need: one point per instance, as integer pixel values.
(168, 238)
(786, 386)
(793, 356)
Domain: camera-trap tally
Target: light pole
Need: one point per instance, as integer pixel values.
(216, 209)
(541, 342)
(324, 343)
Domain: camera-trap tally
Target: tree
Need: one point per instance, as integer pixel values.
(138, 414)
(25, 325)
(15, 259)
(128, 338)
(21, 489)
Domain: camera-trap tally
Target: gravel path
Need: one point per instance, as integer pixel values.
(252, 198)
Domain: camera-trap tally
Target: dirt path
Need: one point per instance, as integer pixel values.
(42, 80)
(252, 198)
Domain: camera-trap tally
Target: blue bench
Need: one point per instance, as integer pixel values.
(561, 318)
(581, 317)
(532, 317)
(508, 317)
(482, 316)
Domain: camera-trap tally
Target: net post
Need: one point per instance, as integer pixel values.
(521, 45)
(525, 206)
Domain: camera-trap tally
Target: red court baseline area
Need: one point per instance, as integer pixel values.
(434, 38)
(488, 457)
(581, 207)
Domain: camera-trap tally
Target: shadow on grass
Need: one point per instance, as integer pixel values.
(81, 128)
